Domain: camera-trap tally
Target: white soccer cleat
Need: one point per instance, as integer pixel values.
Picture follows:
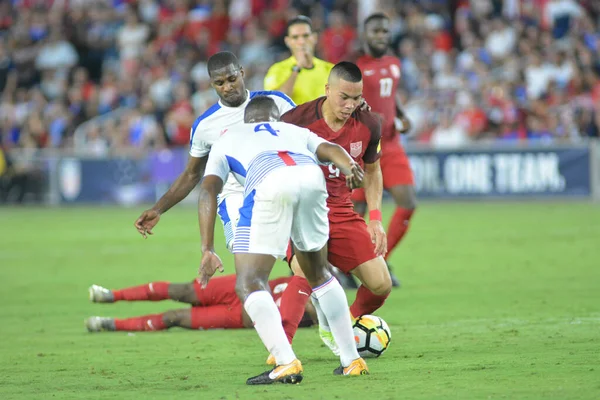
(327, 338)
(99, 324)
(99, 294)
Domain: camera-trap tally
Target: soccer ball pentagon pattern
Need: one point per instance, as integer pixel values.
(372, 336)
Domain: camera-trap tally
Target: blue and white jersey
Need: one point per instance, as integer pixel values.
(250, 151)
(215, 121)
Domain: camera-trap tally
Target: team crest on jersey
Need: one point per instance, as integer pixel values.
(355, 149)
(395, 71)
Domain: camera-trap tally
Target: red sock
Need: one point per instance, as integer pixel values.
(152, 322)
(153, 291)
(366, 302)
(293, 301)
(397, 228)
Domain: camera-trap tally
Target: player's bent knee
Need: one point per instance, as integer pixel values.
(408, 203)
(314, 265)
(411, 202)
(375, 276)
(382, 288)
(173, 317)
(404, 196)
(245, 284)
(190, 295)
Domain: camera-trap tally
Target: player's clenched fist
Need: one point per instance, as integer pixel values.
(146, 222)
(209, 265)
(355, 179)
(378, 237)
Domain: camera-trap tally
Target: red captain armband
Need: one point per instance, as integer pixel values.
(375, 215)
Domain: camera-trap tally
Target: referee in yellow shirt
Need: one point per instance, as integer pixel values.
(302, 76)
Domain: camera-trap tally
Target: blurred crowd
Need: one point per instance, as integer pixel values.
(104, 75)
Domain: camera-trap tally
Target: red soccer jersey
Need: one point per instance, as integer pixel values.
(381, 77)
(360, 136)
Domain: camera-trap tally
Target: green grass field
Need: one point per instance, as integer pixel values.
(499, 300)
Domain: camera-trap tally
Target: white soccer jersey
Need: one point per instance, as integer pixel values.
(285, 194)
(215, 121)
(251, 151)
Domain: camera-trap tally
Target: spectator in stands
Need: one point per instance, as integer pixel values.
(531, 67)
(337, 40)
(56, 54)
(449, 134)
(18, 178)
(131, 39)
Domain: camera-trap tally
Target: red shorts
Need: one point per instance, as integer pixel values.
(395, 169)
(217, 317)
(220, 290)
(220, 307)
(349, 242)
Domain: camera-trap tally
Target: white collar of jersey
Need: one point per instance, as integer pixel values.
(243, 105)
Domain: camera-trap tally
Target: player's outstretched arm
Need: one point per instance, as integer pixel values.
(331, 152)
(207, 213)
(184, 184)
(373, 184)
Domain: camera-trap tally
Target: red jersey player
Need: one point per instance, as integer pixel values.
(381, 76)
(354, 247)
(215, 307)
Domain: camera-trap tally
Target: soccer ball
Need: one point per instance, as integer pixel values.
(372, 336)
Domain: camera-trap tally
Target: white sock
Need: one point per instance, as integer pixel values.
(267, 321)
(323, 324)
(332, 299)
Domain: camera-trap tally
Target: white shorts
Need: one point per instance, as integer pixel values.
(229, 212)
(289, 202)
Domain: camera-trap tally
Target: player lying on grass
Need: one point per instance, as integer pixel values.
(284, 196)
(354, 246)
(215, 307)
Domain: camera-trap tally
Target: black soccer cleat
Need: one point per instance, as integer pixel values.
(290, 373)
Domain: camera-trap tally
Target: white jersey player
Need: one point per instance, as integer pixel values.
(284, 196)
(259, 156)
(207, 129)
(227, 79)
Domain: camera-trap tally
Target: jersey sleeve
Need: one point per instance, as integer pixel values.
(313, 141)
(198, 147)
(217, 163)
(275, 77)
(303, 115)
(373, 151)
(291, 116)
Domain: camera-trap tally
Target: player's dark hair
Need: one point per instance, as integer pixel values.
(300, 19)
(220, 60)
(374, 17)
(347, 71)
(260, 104)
